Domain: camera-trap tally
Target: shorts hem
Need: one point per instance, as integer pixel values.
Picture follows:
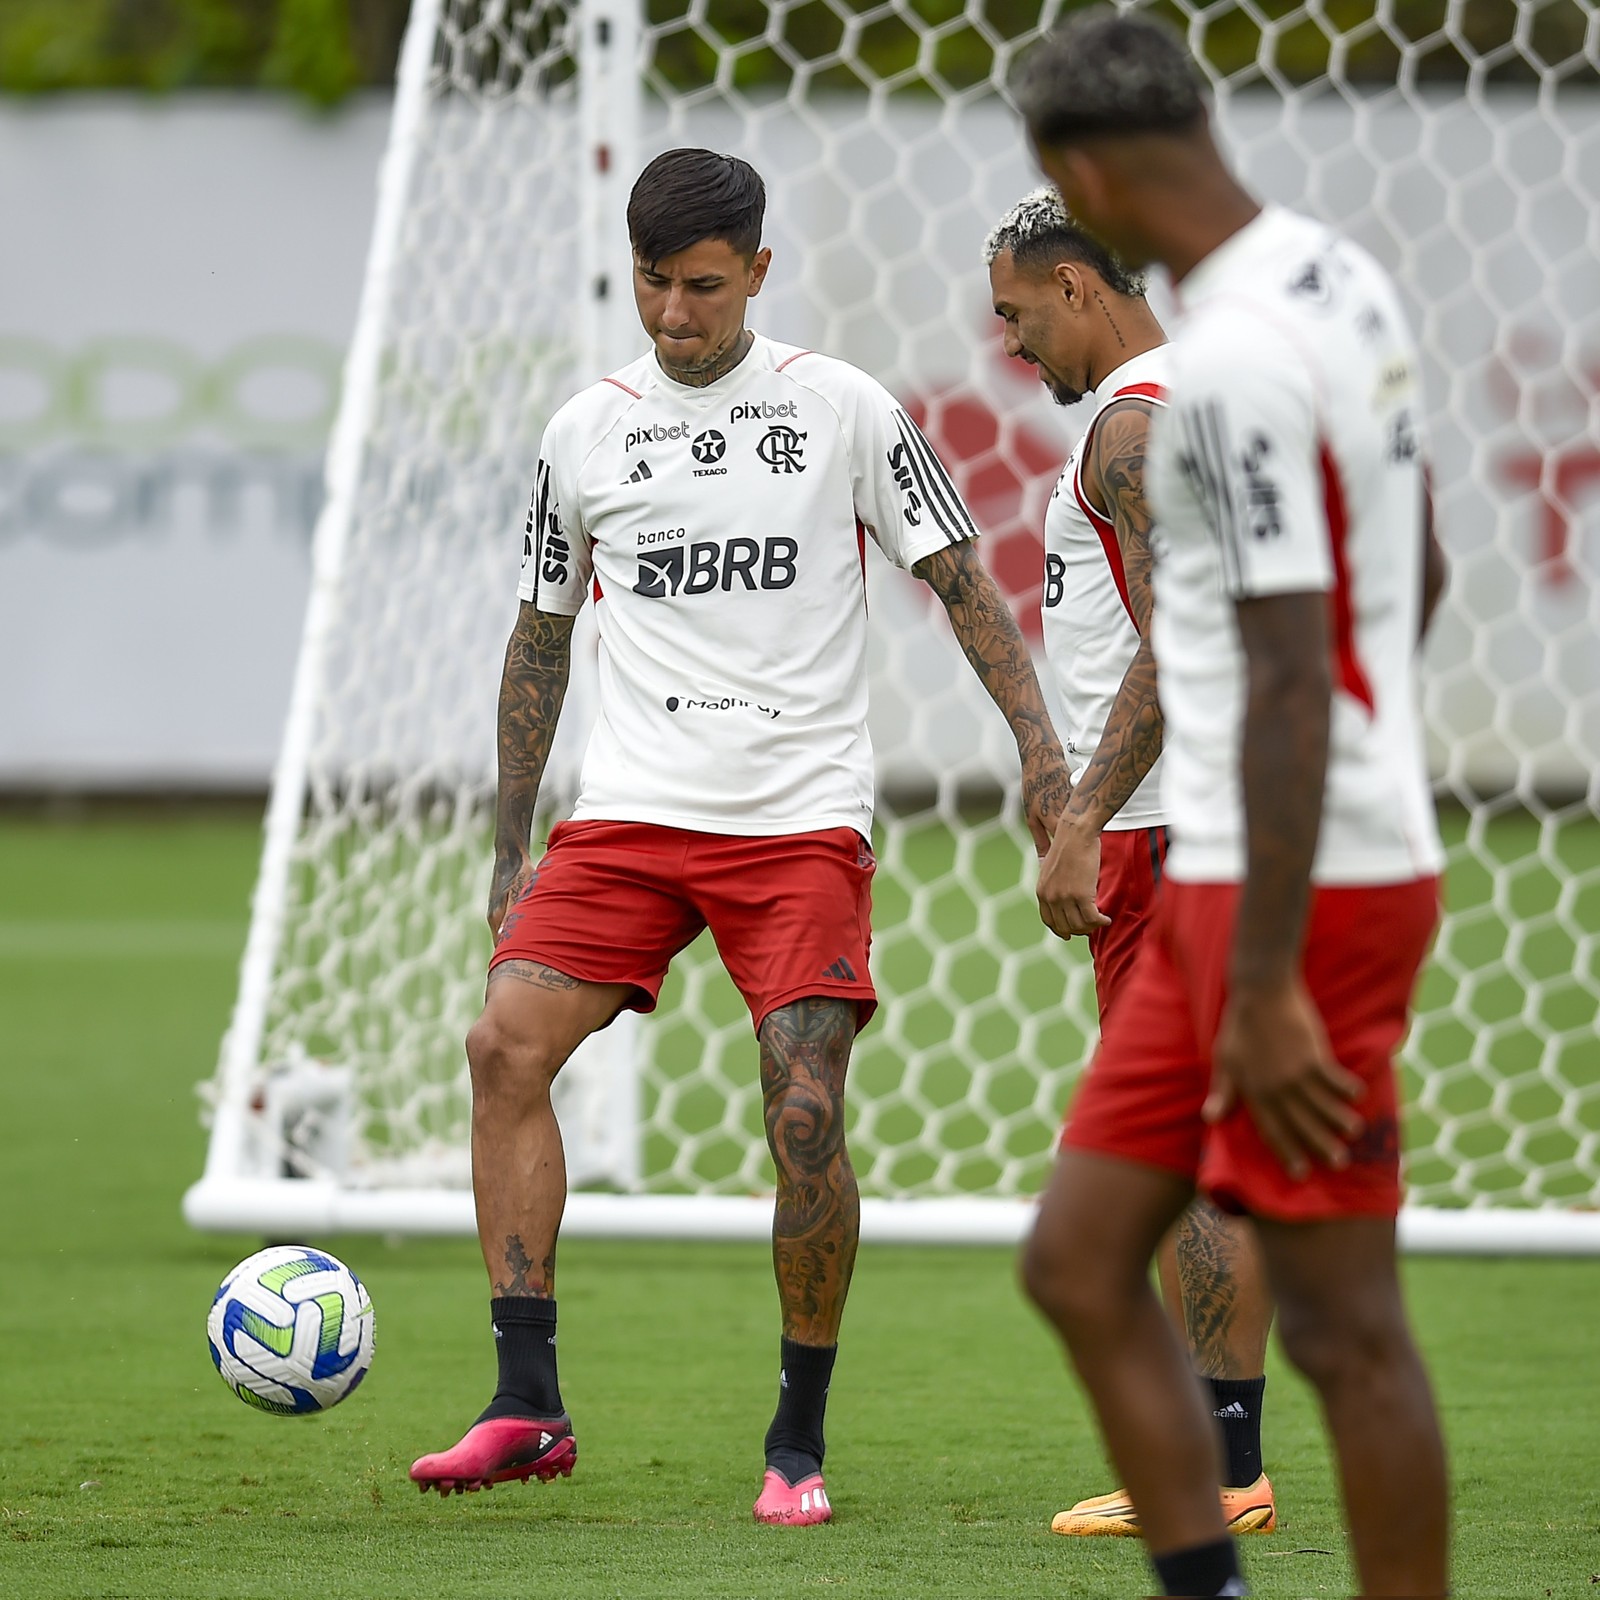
(1092, 1147)
(865, 997)
(1320, 1207)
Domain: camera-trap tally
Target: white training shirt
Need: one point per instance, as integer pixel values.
(1090, 636)
(1291, 459)
(721, 532)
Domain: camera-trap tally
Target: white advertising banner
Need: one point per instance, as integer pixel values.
(181, 279)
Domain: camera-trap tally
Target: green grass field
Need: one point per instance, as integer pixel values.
(127, 1470)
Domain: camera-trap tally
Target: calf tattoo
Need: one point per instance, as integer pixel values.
(520, 1276)
(1208, 1266)
(805, 1053)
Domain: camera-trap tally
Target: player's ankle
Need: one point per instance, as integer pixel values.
(1236, 1404)
(525, 1346)
(1200, 1572)
(794, 1445)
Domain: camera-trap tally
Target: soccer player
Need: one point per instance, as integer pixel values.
(713, 500)
(1073, 311)
(1251, 1053)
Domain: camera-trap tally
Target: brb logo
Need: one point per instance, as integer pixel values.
(704, 566)
(780, 448)
(656, 433)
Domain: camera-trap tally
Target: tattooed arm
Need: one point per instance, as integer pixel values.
(993, 643)
(1114, 478)
(532, 688)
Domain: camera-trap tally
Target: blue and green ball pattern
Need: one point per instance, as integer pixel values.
(291, 1330)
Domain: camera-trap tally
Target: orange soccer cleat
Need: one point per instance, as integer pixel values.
(1111, 1516)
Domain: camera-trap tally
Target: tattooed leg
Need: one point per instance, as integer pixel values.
(533, 1019)
(1227, 1307)
(805, 1053)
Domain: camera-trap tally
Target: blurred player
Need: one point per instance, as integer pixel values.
(1080, 318)
(714, 500)
(1251, 1053)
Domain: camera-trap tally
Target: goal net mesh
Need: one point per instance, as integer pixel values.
(1459, 142)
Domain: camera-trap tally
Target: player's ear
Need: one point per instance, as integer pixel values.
(1070, 283)
(759, 263)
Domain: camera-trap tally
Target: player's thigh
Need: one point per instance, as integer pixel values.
(606, 906)
(1130, 874)
(1141, 1096)
(792, 916)
(1337, 1286)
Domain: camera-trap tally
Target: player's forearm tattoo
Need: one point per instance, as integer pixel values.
(805, 1052)
(993, 644)
(1284, 762)
(1132, 739)
(532, 687)
(1208, 1268)
(521, 1277)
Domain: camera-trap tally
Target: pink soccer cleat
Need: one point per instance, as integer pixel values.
(498, 1451)
(798, 1505)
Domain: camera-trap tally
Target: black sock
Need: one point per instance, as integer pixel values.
(525, 1342)
(1236, 1404)
(795, 1445)
(1200, 1573)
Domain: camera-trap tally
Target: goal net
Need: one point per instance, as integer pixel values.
(1460, 142)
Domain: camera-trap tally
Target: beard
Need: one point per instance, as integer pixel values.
(1062, 392)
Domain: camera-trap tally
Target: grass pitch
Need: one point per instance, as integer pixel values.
(126, 1469)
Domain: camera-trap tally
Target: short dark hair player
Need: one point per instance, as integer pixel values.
(1251, 1056)
(712, 500)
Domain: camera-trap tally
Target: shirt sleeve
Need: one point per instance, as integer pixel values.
(557, 555)
(1250, 446)
(903, 495)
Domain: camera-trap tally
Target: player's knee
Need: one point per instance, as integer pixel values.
(1066, 1283)
(506, 1065)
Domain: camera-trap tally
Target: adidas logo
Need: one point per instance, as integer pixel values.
(1232, 1412)
(639, 473)
(497, 1332)
(783, 1379)
(817, 1497)
(840, 971)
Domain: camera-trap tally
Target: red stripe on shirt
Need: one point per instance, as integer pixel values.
(795, 357)
(623, 387)
(1349, 673)
(1108, 542)
(1142, 391)
(599, 593)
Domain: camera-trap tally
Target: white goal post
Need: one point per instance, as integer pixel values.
(1463, 151)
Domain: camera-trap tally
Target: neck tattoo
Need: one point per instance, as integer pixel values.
(1111, 319)
(717, 367)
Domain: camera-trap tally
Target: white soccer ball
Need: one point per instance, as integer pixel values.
(291, 1330)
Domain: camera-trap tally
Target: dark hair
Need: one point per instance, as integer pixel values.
(1107, 73)
(685, 196)
(1040, 232)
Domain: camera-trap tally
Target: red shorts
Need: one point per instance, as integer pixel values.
(614, 902)
(1130, 873)
(1141, 1097)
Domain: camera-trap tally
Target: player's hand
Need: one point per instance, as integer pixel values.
(1272, 1053)
(1068, 878)
(513, 872)
(1046, 788)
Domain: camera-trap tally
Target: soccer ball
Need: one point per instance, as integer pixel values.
(291, 1330)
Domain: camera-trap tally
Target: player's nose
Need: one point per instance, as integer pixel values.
(1013, 344)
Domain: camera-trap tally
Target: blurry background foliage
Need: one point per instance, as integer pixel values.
(323, 49)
